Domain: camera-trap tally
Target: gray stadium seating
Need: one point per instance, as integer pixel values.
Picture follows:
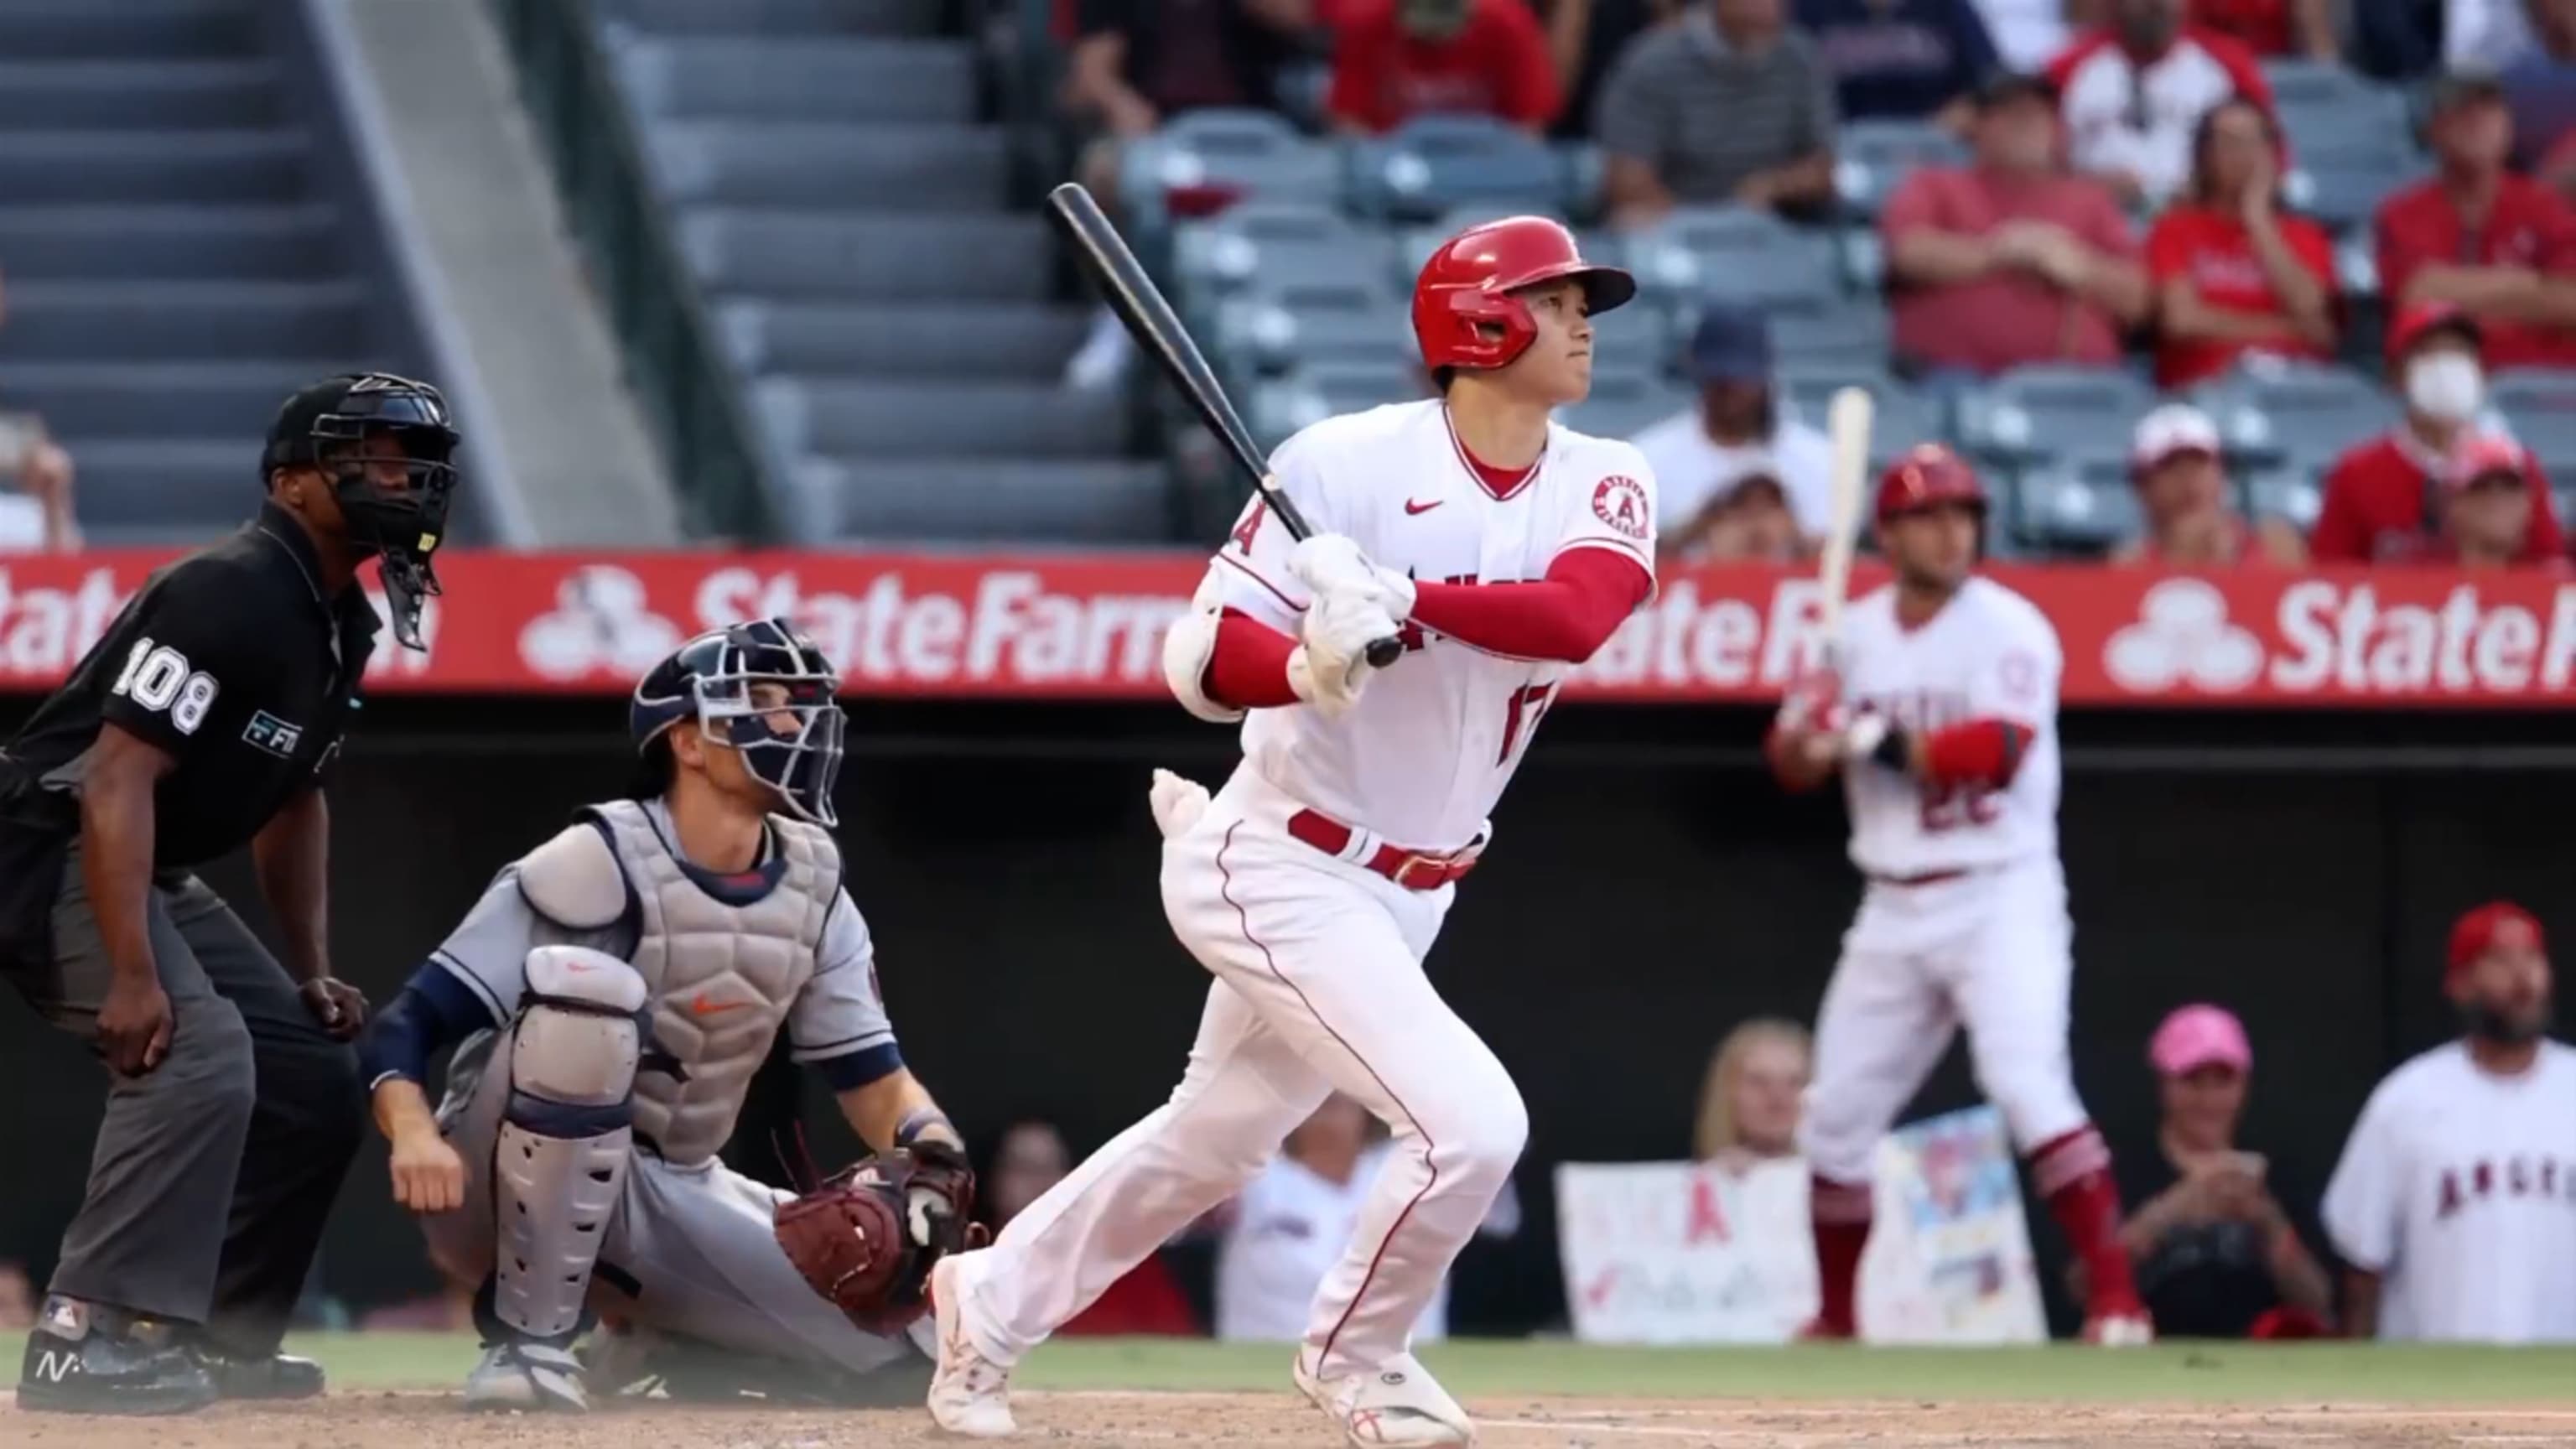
(1437, 164)
(2342, 191)
(1903, 417)
(2328, 110)
(1254, 152)
(795, 166)
(1277, 330)
(1026, 341)
(2540, 407)
(2304, 417)
(1258, 243)
(1848, 333)
(2053, 415)
(2291, 493)
(819, 253)
(2082, 505)
(1312, 394)
(1738, 253)
(743, 76)
(1100, 501)
(1625, 403)
(1872, 156)
(946, 418)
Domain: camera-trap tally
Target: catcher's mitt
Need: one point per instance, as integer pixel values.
(867, 1237)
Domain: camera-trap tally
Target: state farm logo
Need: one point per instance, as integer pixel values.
(601, 621)
(2183, 636)
(1620, 502)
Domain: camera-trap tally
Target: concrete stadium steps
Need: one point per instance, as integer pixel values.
(943, 420)
(121, 94)
(709, 78)
(827, 167)
(871, 254)
(978, 341)
(1044, 501)
(147, 320)
(178, 243)
(175, 260)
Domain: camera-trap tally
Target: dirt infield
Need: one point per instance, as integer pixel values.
(1279, 1421)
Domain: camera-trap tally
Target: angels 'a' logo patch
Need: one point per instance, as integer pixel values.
(1620, 501)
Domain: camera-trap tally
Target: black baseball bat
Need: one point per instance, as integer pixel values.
(1150, 320)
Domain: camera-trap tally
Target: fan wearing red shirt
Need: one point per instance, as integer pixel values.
(1397, 59)
(2382, 498)
(2271, 27)
(2499, 246)
(2232, 273)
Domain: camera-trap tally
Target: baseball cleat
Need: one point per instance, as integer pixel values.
(84, 1360)
(1401, 1403)
(528, 1377)
(2131, 1329)
(1817, 1330)
(970, 1394)
(270, 1376)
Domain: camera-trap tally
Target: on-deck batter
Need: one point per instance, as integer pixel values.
(1940, 711)
(1503, 550)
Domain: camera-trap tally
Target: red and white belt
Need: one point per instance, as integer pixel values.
(1412, 869)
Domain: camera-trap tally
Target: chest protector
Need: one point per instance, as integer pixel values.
(720, 977)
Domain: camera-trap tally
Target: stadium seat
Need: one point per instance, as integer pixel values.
(1904, 416)
(2081, 505)
(2301, 416)
(787, 254)
(1850, 334)
(1312, 394)
(2327, 110)
(2539, 406)
(2290, 493)
(858, 498)
(1738, 253)
(1624, 404)
(944, 419)
(1872, 156)
(1435, 164)
(2054, 415)
(1275, 329)
(1278, 243)
(870, 80)
(2343, 191)
(772, 17)
(1255, 153)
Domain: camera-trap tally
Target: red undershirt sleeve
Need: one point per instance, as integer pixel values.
(1976, 752)
(1248, 668)
(1566, 617)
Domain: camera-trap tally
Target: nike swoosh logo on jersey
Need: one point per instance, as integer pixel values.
(1411, 507)
(702, 1005)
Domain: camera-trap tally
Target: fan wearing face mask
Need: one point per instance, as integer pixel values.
(2385, 499)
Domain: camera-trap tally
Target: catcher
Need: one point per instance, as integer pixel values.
(612, 994)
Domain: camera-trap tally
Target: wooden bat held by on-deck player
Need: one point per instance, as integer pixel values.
(1150, 320)
(1848, 425)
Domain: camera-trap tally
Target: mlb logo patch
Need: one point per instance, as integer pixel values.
(267, 732)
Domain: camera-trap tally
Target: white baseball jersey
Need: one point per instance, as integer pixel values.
(1425, 754)
(1988, 654)
(2458, 1187)
(1291, 1225)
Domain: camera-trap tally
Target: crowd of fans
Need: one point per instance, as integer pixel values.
(36, 512)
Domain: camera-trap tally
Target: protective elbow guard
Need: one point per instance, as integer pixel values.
(1188, 645)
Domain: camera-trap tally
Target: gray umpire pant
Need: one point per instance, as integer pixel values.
(213, 1172)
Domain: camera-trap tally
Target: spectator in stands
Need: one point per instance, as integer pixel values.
(2010, 260)
(1750, 1100)
(2180, 471)
(2233, 274)
(2450, 1205)
(1737, 433)
(2486, 505)
(1137, 63)
(2501, 247)
(2135, 90)
(1745, 520)
(1585, 38)
(1397, 59)
(2397, 40)
(1905, 59)
(2218, 1253)
(2540, 88)
(2380, 497)
(2028, 34)
(2271, 28)
(1029, 1157)
(38, 517)
(1726, 104)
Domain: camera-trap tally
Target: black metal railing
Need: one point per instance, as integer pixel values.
(687, 386)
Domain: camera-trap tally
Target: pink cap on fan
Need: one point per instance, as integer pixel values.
(2199, 1035)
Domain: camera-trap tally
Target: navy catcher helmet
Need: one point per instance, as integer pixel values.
(761, 688)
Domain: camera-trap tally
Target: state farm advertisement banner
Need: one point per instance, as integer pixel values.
(1090, 626)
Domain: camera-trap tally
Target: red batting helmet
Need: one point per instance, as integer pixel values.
(1468, 283)
(1929, 474)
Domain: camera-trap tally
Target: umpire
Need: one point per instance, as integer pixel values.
(206, 718)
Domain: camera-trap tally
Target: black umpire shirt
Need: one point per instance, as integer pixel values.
(233, 661)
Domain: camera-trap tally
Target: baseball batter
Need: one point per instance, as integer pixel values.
(614, 991)
(2455, 1202)
(1502, 549)
(1940, 713)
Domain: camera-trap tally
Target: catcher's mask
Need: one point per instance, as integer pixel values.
(335, 427)
(760, 688)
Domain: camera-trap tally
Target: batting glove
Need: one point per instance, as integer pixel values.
(1330, 563)
(1331, 667)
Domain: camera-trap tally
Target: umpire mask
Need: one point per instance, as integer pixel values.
(393, 499)
(762, 689)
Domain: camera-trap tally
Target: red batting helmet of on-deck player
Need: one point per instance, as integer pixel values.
(1466, 287)
(1928, 475)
